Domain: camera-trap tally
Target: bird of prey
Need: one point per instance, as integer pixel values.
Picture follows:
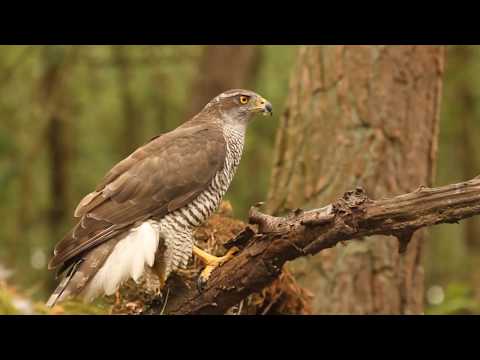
(144, 211)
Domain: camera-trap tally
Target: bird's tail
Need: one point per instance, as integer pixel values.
(78, 275)
(59, 291)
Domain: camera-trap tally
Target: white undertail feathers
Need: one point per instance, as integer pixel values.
(127, 260)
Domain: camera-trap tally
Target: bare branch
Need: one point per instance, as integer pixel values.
(280, 239)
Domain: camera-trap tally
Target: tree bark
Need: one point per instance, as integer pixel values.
(221, 68)
(281, 239)
(359, 116)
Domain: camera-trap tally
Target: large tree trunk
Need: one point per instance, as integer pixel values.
(221, 68)
(359, 116)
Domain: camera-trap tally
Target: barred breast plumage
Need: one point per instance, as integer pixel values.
(176, 228)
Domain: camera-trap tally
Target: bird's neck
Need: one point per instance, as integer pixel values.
(234, 137)
(234, 130)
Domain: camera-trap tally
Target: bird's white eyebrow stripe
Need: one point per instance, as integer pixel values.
(221, 96)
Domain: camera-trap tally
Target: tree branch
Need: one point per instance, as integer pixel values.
(281, 239)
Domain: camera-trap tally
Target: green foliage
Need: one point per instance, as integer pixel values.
(458, 300)
(452, 248)
(6, 303)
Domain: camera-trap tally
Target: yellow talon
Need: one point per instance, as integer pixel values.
(211, 262)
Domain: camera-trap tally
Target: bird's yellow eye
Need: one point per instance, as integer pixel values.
(243, 100)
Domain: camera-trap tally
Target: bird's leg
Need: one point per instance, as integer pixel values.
(211, 262)
(117, 297)
(154, 280)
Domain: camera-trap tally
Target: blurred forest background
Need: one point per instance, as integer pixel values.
(69, 113)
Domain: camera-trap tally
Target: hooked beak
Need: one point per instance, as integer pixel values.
(263, 106)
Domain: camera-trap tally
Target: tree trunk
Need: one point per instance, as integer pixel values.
(221, 68)
(131, 133)
(57, 133)
(59, 153)
(57, 60)
(359, 116)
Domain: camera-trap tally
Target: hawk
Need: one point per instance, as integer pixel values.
(145, 210)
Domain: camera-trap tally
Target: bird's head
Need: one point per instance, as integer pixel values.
(238, 106)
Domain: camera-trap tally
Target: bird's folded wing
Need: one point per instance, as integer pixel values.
(160, 177)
